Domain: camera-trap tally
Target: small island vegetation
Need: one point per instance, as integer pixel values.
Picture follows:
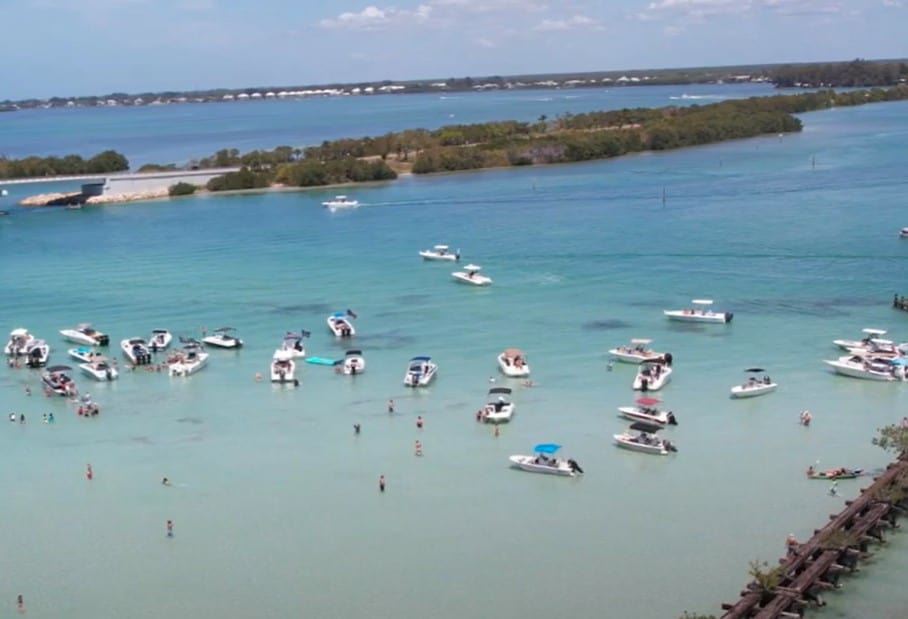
(181, 189)
(70, 165)
(858, 73)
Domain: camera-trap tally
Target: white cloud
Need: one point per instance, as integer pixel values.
(434, 12)
(374, 18)
(571, 23)
(701, 9)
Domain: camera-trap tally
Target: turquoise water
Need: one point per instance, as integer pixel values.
(275, 500)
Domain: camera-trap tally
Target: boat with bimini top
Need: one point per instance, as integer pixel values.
(700, 312)
(499, 408)
(440, 252)
(420, 372)
(471, 275)
(56, 380)
(340, 324)
(641, 436)
(353, 363)
(160, 339)
(544, 461)
(647, 410)
(637, 352)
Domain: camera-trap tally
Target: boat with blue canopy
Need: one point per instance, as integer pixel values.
(420, 372)
(543, 460)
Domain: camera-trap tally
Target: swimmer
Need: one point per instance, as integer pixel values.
(165, 482)
(419, 422)
(170, 528)
(89, 473)
(529, 383)
(418, 448)
(28, 390)
(258, 377)
(497, 431)
(381, 483)
(390, 406)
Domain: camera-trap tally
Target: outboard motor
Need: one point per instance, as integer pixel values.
(667, 358)
(574, 466)
(670, 447)
(729, 316)
(672, 421)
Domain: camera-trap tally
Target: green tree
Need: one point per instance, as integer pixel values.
(894, 439)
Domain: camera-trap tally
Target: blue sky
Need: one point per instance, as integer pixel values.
(84, 47)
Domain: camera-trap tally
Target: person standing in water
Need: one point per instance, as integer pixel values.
(89, 474)
(390, 406)
(419, 422)
(381, 483)
(356, 428)
(418, 448)
(170, 528)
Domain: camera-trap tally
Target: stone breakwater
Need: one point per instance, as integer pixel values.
(53, 199)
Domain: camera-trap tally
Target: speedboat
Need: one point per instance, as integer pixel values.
(354, 363)
(500, 408)
(641, 436)
(470, 275)
(754, 386)
(19, 339)
(340, 324)
(82, 353)
(420, 372)
(543, 461)
(868, 368)
(440, 252)
(700, 312)
(648, 411)
(160, 339)
(652, 376)
(839, 473)
(283, 368)
(340, 202)
(99, 368)
(37, 353)
(85, 334)
(869, 334)
(636, 352)
(903, 233)
(878, 347)
(57, 381)
(222, 338)
(292, 345)
(136, 350)
(513, 363)
(187, 360)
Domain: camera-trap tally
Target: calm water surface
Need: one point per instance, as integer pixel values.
(275, 501)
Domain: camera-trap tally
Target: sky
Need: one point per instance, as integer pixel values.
(94, 47)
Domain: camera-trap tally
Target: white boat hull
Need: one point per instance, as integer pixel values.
(419, 378)
(222, 341)
(640, 414)
(60, 387)
(847, 369)
(283, 370)
(354, 365)
(19, 341)
(37, 354)
(78, 337)
(341, 327)
(748, 390)
(629, 355)
(492, 414)
(533, 465)
(698, 316)
(82, 353)
(653, 383)
(159, 340)
(512, 370)
(632, 443)
(432, 255)
(476, 279)
(136, 351)
(185, 365)
(101, 373)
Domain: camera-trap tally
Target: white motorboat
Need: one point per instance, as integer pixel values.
(341, 325)
(652, 376)
(420, 372)
(83, 353)
(136, 350)
(637, 351)
(903, 233)
(37, 353)
(339, 202)
(471, 275)
(754, 385)
(513, 362)
(440, 252)
(354, 363)
(85, 334)
(878, 347)
(647, 410)
(700, 312)
(868, 368)
(283, 368)
(292, 345)
(56, 380)
(499, 408)
(187, 360)
(223, 337)
(160, 339)
(99, 368)
(869, 334)
(641, 436)
(543, 461)
(19, 339)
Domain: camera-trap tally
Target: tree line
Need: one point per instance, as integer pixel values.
(855, 74)
(70, 165)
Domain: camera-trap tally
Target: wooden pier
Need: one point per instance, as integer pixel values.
(900, 303)
(818, 563)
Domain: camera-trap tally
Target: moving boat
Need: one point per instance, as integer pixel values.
(699, 313)
(56, 380)
(641, 436)
(832, 474)
(83, 353)
(354, 362)
(470, 275)
(903, 233)
(420, 372)
(754, 386)
(440, 252)
(500, 408)
(222, 338)
(292, 345)
(37, 353)
(647, 411)
(99, 368)
(652, 376)
(283, 368)
(340, 324)
(513, 363)
(868, 368)
(136, 350)
(160, 339)
(19, 339)
(636, 352)
(85, 334)
(340, 202)
(544, 462)
(187, 360)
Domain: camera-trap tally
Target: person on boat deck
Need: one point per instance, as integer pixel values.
(766, 380)
(810, 470)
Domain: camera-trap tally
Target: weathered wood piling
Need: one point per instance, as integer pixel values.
(817, 564)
